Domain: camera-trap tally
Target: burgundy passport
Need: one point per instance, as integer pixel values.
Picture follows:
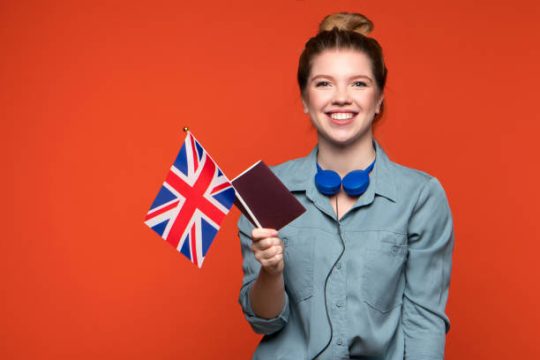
(264, 199)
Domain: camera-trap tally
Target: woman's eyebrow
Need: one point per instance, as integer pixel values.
(321, 76)
(350, 78)
(361, 76)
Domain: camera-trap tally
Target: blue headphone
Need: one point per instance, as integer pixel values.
(355, 183)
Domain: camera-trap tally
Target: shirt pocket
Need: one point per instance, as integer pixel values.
(383, 279)
(298, 271)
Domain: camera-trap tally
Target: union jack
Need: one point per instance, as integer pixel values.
(192, 202)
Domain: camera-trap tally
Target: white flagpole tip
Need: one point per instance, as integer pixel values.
(186, 129)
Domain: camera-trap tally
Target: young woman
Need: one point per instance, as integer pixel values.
(364, 272)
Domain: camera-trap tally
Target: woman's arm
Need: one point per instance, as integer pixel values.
(263, 298)
(427, 274)
(267, 295)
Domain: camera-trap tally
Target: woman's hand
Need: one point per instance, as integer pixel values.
(268, 250)
(267, 295)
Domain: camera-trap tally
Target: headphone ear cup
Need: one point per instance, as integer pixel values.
(328, 182)
(356, 182)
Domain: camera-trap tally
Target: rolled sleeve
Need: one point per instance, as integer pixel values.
(427, 274)
(251, 267)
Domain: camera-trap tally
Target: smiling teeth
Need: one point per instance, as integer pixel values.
(341, 116)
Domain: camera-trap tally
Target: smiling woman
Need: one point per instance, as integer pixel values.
(341, 97)
(364, 272)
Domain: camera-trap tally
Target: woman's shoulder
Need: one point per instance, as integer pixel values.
(411, 175)
(287, 166)
(411, 180)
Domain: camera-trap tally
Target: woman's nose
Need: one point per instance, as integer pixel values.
(341, 96)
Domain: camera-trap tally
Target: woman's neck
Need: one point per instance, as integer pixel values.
(358, 155)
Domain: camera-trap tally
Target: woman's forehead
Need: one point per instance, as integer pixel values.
(341, 63)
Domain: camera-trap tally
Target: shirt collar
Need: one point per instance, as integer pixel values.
(381, 180)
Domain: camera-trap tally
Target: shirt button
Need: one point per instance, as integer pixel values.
(339, 304)
(339, 266)
(339, 341)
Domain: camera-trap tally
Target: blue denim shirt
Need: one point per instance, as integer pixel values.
(387, 295)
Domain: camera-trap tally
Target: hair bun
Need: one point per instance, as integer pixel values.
(347, 21)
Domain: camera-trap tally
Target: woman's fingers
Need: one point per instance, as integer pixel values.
(270, 252)
(264, 239)
(274, 262)
(265, 243)
(268, 249)
(261, 233)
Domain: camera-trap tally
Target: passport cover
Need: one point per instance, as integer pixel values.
(264, 199)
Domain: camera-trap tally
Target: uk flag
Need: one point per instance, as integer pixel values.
(192, 202)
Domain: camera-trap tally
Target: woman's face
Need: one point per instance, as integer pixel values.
(341, 96)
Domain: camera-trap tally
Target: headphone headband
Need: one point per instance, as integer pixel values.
(355, 183)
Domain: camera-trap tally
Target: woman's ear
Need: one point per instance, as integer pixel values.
(305, 106)
(379, 103)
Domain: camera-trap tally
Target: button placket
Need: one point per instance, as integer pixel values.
(339, 321)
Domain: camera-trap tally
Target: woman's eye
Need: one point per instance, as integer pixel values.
(359, 83)
(322, 83)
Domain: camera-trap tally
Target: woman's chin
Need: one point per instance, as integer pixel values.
(341, 140)
(342, 136)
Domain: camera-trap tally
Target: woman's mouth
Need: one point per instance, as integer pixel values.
(341, 118)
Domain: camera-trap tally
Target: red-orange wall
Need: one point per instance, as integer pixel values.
(93, 97)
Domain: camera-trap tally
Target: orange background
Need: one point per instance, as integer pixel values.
(93, 98)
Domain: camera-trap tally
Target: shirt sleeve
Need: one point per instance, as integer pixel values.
(427, 274)
(251, 267)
